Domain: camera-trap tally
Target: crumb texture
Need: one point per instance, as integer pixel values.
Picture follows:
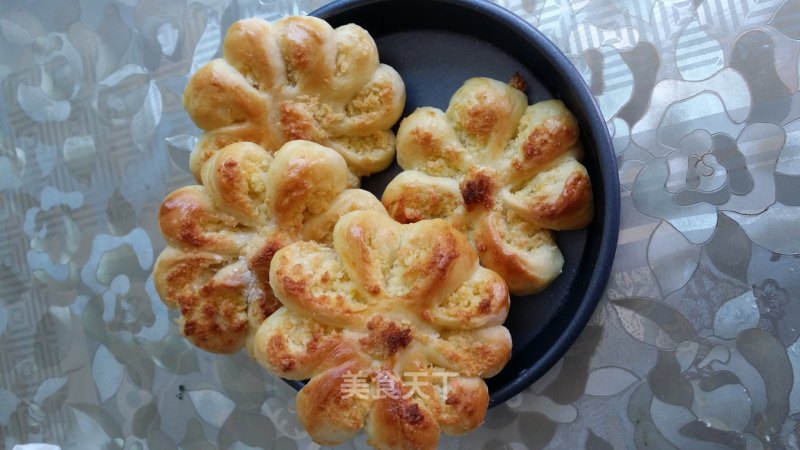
(297, 79)
(395, 325)
(222, 235)
(504, 172)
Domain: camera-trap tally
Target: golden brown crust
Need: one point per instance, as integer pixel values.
(260, 252)
(319, 228)
(401, 423)
(479, 352)
(413, 196)
(485, 292)
(208, 290)
(385, 338)
(188, 218)
(236, 181)
(325, 413)
(298, 347)
(431, 145)
(458, 403)
(385, 303)
(567, 207)
(518, 82)
(477, 189)
(297, 79)
(223, 235)
(526, 256)
(304, 182)
(517, 170)
(549, 138)
(431, 257)
(484, 114)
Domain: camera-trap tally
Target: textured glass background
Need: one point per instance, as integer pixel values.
(694, 345)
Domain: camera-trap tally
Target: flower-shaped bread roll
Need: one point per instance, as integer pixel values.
(503, 172)
(222, 235)
(298, 78)
(395, 325)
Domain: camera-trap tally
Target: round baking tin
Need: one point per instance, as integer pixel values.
(436, 45)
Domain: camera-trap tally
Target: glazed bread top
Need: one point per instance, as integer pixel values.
(298, 78)
(503, 172)
(223, 234)
(397, 307)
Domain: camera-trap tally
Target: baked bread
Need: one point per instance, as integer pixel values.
(503, 172)
(298, 78)
(374, 319)
(222, 235)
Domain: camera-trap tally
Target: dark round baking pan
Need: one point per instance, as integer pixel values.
(436, 45)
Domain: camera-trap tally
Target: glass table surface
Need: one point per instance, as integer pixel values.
(695, 343)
